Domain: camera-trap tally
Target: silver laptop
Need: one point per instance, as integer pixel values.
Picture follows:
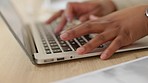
(42, 46)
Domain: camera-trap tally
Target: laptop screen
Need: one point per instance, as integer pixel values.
(12, 18)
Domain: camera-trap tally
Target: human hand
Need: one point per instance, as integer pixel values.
(122, 28)
(82, 11)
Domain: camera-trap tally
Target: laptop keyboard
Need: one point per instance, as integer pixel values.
(53, 44)
(63, 44)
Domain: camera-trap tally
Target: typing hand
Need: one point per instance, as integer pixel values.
(81, 11)
(122, 28)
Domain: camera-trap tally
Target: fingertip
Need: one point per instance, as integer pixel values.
(68, 19)
(80, 50)
(92, 17)
(104, 55)
(64, 36)
(47, 22)
(69, 14)
(58, 29)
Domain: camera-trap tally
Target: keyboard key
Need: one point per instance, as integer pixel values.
(87, 37)
(61, 42)
(46, 48)
(52, 41)
(56, 50)
(74, 44)
(66, 49)
(45, 45)
(50, 38)
(81, 40)
(64, 45)
(53, 44)
(55, 47)
(44, 42)
(101, 46)
(48, 51)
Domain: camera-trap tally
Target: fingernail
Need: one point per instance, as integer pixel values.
(62, 32)
(68, 19)
(64, 36)
(92, 17)
(80, 50)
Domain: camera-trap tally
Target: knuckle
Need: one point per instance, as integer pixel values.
(127, 36)
(119, 43)
(101, 38)
(88, 27)
(113, 23)
(126, 32)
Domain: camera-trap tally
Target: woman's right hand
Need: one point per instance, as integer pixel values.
(82, 11)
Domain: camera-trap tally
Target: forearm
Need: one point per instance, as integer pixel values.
(121, 4)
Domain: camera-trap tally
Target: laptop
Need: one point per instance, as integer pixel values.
(42, 46)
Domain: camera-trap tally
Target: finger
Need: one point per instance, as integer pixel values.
(85, 17)
(83, 29)
(55, 16)
(65, 30)
(96, 41)
(69, 11)
(113, 47)
(70, 28)
(61, 24)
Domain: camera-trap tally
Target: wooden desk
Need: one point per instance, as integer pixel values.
(15, 66)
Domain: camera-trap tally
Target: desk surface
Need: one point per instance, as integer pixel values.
(15, 67)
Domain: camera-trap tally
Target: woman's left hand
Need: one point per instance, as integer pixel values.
(122, 28)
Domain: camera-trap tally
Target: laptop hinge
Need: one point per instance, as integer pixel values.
(29, 41)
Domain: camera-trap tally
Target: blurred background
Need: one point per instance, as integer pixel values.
(40, 9)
